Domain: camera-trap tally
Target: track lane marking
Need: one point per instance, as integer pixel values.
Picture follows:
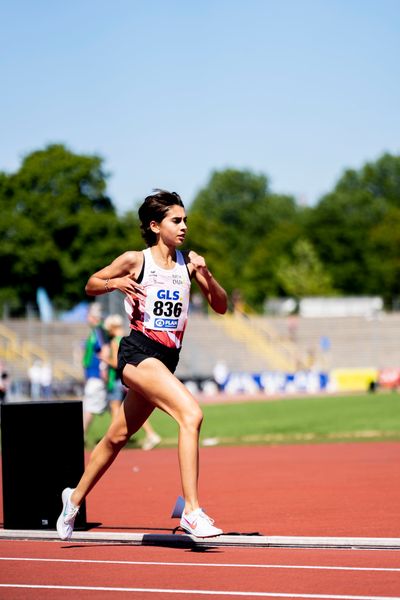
(187, 564)
(201, 592)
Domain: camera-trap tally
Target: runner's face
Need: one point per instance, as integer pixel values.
(173, 227)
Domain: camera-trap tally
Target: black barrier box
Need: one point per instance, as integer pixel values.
(42, 449)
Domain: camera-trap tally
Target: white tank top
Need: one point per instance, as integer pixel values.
(161, 314)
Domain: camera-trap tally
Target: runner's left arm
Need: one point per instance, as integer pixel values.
(214, 293)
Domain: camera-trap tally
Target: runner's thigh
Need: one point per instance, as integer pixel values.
(161, 388)
(134, 411)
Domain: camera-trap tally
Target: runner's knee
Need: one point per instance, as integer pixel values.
(117, 437)
(192, 418)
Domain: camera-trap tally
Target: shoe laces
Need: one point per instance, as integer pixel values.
(72, 511)
(203, 515)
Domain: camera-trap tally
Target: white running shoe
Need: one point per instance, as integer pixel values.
(65, 522)
(151, 441)
(199, 524)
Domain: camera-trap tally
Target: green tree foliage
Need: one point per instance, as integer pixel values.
(340, 228)
(58, 226)
(381, 179)
(250, 235)
(384, 257)
(354, 230)
(231, 221)
(303, 274)
(260, 274)
(221, 219)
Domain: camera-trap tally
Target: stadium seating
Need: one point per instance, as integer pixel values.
(249, 344)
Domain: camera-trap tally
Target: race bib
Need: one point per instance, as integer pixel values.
(166, 308)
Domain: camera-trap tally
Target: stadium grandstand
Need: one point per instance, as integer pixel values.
(244, 343)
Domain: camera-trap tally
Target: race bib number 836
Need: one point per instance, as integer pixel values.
(165, 309)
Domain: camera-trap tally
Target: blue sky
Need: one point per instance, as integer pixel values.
(166, 91)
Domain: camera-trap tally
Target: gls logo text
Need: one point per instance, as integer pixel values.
(168, 295)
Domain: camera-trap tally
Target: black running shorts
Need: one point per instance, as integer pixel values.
(135, 347)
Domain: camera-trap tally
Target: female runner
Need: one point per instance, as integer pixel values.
(156, 285)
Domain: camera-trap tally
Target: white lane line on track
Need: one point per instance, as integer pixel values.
(203, 592)
(187, 564)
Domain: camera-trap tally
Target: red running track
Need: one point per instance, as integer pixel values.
(95, 571)
(312, 490)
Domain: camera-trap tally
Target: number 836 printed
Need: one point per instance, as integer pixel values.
(167, 309)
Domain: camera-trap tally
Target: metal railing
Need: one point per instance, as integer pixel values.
(24, 353)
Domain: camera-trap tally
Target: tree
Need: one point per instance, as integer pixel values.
(58, 226)
(381, 179)
(347, 227)
(340, 227)
(303, 274)
(384, 258)
(229, 218)
(56, 217)
(260, 274)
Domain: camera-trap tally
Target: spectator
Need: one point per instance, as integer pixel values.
(35, 379)
(113, 325)
(46, 377)
(4, 381)
(94, 394)
(221, 374)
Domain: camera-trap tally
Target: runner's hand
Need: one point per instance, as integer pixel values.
(199, 263)
(128, 285)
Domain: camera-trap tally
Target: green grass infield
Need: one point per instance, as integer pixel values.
(369, 416)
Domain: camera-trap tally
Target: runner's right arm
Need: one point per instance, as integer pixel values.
(119, 275)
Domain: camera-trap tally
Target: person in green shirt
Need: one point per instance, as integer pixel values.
(113, 324)
(94, 394)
